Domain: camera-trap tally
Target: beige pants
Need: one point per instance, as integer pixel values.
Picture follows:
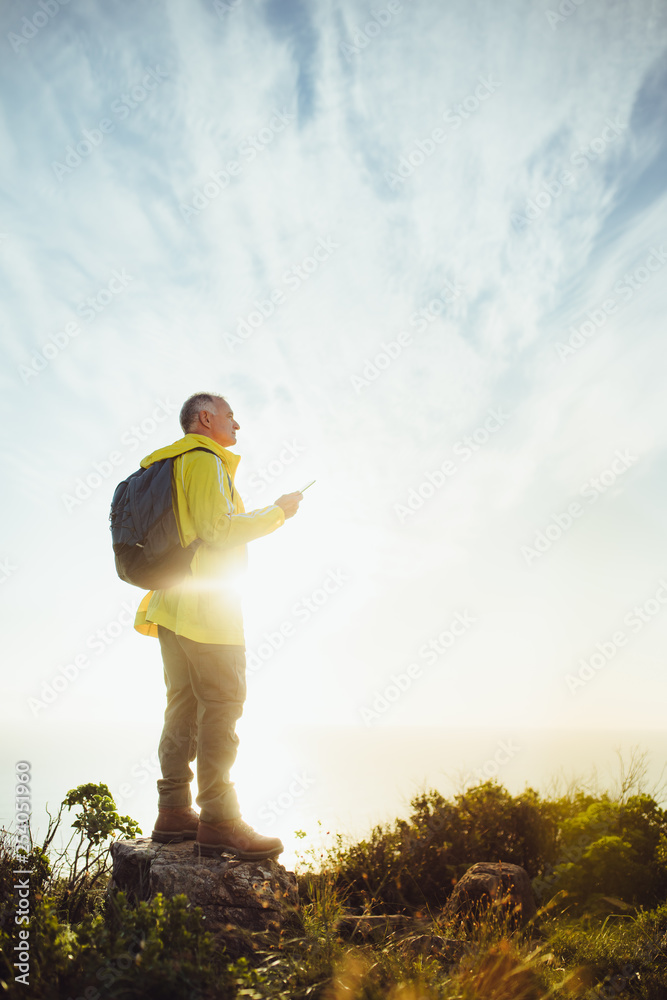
(206, 689)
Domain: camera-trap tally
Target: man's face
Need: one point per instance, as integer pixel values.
(221, 425)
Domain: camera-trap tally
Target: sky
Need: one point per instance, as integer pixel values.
(420, 248)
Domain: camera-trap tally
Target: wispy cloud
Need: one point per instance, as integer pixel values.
(518, 160)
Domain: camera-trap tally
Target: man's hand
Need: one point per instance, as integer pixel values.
(289, 503)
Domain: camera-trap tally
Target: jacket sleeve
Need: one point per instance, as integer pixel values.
(210, 508)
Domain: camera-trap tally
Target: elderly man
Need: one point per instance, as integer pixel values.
(200, 629)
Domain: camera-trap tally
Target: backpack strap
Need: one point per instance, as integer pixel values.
(211, 452)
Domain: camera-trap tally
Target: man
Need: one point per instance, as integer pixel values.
(200, 629)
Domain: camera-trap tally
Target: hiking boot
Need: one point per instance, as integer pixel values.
(174, 825)
(233, 836)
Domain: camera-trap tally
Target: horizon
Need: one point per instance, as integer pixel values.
(318, 783)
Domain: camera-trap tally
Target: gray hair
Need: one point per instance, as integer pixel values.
(191, 407)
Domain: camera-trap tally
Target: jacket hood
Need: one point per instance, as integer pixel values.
(188, 443)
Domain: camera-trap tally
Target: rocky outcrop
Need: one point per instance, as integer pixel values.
(488, 886)
(239, 899)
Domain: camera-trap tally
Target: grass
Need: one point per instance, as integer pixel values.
(371, 924)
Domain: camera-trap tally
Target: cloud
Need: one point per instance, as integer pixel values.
(290, 171)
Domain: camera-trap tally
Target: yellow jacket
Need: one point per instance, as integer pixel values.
(206, 606)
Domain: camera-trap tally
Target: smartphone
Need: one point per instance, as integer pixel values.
(304, 488)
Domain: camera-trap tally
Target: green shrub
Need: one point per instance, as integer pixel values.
(587, 851)
(156, 950)
(413, 865)
(610, 849)
(81, 870)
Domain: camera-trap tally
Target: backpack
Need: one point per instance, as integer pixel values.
(144, 532)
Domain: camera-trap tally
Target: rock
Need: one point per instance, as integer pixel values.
(489, 884)
(238, 898)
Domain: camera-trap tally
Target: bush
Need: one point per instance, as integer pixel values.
(81, 870)
(591, 851)
(413, 865)
(157, 950)
(611, 851)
